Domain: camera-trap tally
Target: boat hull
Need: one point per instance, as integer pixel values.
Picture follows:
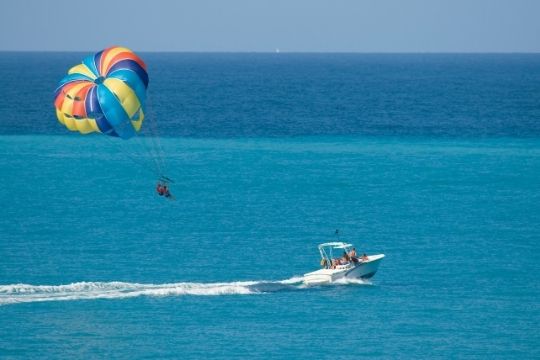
(362, 270)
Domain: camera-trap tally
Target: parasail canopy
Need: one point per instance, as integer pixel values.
(106, 93)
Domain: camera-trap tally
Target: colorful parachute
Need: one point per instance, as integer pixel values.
(106, 94)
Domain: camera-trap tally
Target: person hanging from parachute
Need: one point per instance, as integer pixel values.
(162, 187)
(106, 94)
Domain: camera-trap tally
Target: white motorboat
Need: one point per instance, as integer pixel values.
(346, 267)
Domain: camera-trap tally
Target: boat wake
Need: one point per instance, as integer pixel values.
(24, 293)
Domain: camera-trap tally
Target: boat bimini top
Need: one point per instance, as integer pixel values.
(326, 249)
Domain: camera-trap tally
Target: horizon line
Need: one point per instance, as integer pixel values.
(287, 52)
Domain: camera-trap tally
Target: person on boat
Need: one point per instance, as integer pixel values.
(345, 259)
(364, 257)
(352, 255)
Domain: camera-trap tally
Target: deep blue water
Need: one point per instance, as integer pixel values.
(433, 160)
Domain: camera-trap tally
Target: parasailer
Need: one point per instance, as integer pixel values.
(163, 190)
(106, 94)
(162, 187)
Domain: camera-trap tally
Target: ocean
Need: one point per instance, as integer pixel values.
(431, 159)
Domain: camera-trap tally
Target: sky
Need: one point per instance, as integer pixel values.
(264, 26)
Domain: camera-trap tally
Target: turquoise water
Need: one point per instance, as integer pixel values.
(94, 265)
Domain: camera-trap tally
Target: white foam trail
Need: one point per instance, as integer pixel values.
(24, 293)
(293, 280)
(348, 281)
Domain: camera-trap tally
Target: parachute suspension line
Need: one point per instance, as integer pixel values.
(141, 140)
(145, 141)
(155, 139)
(131, 156)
